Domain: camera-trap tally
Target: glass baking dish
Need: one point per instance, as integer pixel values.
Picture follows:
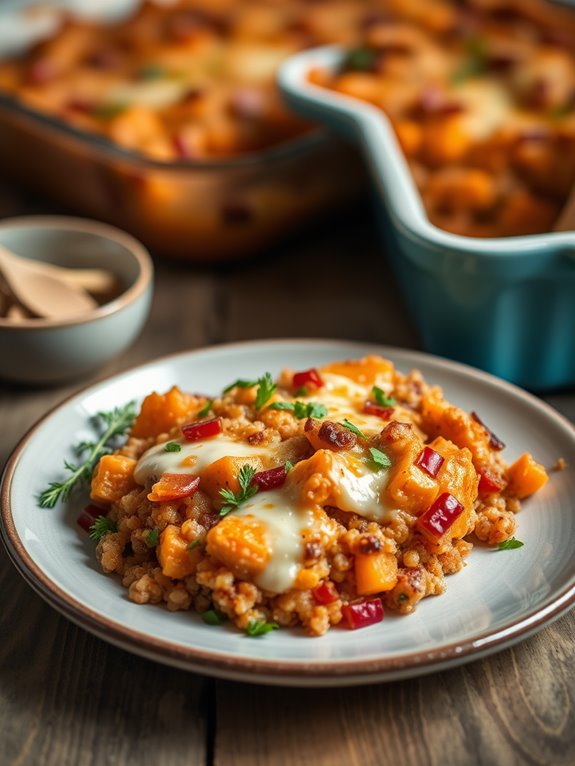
(192, 209)
(506, 304)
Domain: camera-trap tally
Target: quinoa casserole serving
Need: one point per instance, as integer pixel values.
(314, 500)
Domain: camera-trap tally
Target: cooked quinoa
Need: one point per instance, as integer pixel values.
(313, 500)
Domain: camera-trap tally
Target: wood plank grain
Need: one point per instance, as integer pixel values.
(517, 707)
(67, 698)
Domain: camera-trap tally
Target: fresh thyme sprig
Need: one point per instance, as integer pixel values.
(114, 424)
(247, 490)
(101, 526)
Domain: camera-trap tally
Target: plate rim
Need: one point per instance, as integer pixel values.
(266, 670)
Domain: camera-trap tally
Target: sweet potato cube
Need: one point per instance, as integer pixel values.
(410, 488)
(223, 474)
(375, 572)
(526, 476)
(159, 413)
(241, 544)
(113, 478)
(175, 558)
(366, 371)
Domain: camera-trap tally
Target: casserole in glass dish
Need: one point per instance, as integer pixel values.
(485, 287)
(166, 120)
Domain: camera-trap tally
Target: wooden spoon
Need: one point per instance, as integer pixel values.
(40, 293)
(97, 281)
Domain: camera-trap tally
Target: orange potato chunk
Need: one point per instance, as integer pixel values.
(526, 476)
(241, 544)
(161, 412)
(113, 478)
(223, 474)
(176, 560)
(375, 572)
(366, 371)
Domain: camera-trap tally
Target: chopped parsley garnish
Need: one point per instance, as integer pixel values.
(205, 410)
(379, 458)
(266, 388)
(258, 628)
(152, 538)
(152, 72)
(101, 526)
(212, 617)
(265, 385)
(381, 398)
(247, 490)
(288, 466)
(108, 111)
(353, 428)
(508, 545)
(172, 447)
(302, 391)
(193, 544)
(360, 59)
(240, 383)
(115, 424)
(302, 409)
(475, 64)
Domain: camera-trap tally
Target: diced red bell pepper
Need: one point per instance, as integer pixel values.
(89, 515)
(271, 479)
(489, 482)
(325, 593)
(202, 429)
(440, 516)
(174, 486)
(306, 378)
(429, 461)
(360, 614)
(371, 408)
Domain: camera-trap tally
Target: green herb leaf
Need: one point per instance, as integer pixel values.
(353, 428)
(360, 60)
(205, 410)
(379, 458)
(101, 526)
(107, 112)
(152, 538)
(240, 383)
(382, 398)
(288, 466)
(193, 544)
(266, 388)
(475, 64)
(172, 447)
(258, 628)
(247, 490)
(302, 391)
(508, 545)
(212, 617)
(152, 72)
(302, 409)
(290, 406)
(112, 425)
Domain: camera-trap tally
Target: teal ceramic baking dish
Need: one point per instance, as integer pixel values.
(506, 305)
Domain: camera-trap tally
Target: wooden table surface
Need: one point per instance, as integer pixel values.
(67, 698)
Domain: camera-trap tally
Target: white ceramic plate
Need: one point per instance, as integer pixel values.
(501, 597)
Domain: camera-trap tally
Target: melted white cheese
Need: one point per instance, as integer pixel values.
(360, 488)
(285, 524)
(193, 457)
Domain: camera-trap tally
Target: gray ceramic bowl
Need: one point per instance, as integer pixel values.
(47, 351)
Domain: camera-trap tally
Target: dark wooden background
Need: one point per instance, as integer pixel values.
(69, 699)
